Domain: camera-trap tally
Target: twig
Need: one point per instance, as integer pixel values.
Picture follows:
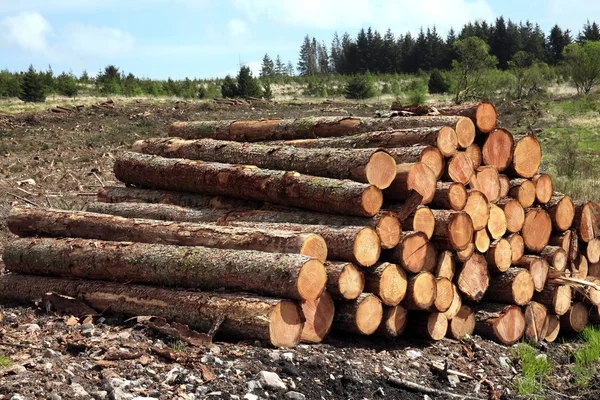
(24, 199)
(442, 368)
(87, 194)
(415, 387)
(25, 191)
(98, 178)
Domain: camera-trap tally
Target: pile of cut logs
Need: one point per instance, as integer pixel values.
(435, 225)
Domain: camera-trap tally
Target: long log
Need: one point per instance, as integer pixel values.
(537, 229)
(375, 167)
(536, 322)
(394, 321)
(473, 279)
(410, 253)
(483, 115)
(543, 188)
(499, 256)
(279, 322)
(527, 157)
(587, 220)
(278, 187)
(412, 176)
(420, 292)
(454, 226)
(497, 225)
(361, 316)
(514, 214)
(279, 275)
(462, 324)
(26, 221)
(562, 212)
(556, 297)
(523, 190)
(575, 319)
(387, 281)
(318, 315)
(344, 280)
(422, 220)
(450, 196)
(497, 149)
(505, 323)
(555, 256)
(515, 286)
(487, 181)
(478, 209)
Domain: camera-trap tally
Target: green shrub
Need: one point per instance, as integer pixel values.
(267, 93)
(32, 87)
(247, 85)
(66, 85)
(534, 369)
(229, 87)
(437, 82)
(361, 87)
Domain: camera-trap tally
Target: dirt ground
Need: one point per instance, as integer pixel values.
(60, 160)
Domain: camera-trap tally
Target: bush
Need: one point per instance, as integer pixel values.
(361, 87)
(437, 82)
(418, 92)
(268, 94)
(247, 85)
(229, 87)
(66, 85)
(32, 87)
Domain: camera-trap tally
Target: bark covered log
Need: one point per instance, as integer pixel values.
(505, 323)
(450, 196)
(344, 280)
(562, 212)
(483, 115)
(394, 321)
(387, 281)
(361, 316)
(515, 286)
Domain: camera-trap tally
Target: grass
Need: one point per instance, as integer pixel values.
(177, 345)
(4, 362)
(535, 368)
(586, 356)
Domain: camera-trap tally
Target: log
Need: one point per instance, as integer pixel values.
(455, 306)
(594, 270)
(581, 267)
(543, 188)
(514, 214)
(422, 220)
(404, 210)
(473, 278)
(463, 324)
(589, 294)
(474, 153)
(483, 115)
(587, 220)
(563, 240)
(504, 185)
(556, 297)
(537, 229)
(594, 316)
(410, 253)
(523, 190)
(515, 286)
(420, 292)
(444, 295)
(553, 328)
(344, 280)
(478, 209)
(517, 246)
(575, 319)
(497, 149)
(460, 168)
(394, 321)
(289, 276)
(555, 256)
(450, 196)
(412, 176)
(497, 225)
(485, 179)
(465, 255)
(562, 212)
(375, 167)
(318, 314)
(428, 326)
(361, 316)
(504, 323)
(430, 258)
(445, 265)
(26, 221)
(592, 250)
(428, 155)
(527, 157)
(536, 322)
(538, 268)
(499, 256)
(279, 322)
(482, 241)
(453, 226)
(278, 187)
(387, 281)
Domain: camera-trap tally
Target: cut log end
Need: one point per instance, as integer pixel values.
(433, 158)
(457, 196)
(351, 282)
(517, 246)
(522, 288)
(389, 230)
(539, 269)
(367, 247)
(444, 294)
(537, 229)
(422, 180)
(524, 192)
(422, 291)
(474, 153)
(482, 241)
(553, 328)
(447, 141)
(575, 319)
(445, 265)
(497, 224)
(527, 157)
(478, 209)
(464, 255)
(392, 285)
(465, 132)
(286, 324)
(460, 168)
(543, 188)
(500, 255)
(424, 221)
(510, 327)
(372, 200)
(414, 252)
(314, 246)
(562, 213)
(536, 322)
(312, 280)
(381, 170)
(562, 300)
(515, 215)
(369, 314)
(319, 317)
(497, 150)
(430, 258)
(473, 280)
(455, 306)
(460, 230)
(504, 185)
(486, 117)
(462, 324)
(437, 326)
(394, 321)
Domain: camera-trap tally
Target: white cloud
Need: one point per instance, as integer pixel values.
(92, 41)
(29, 31)
(237, 27)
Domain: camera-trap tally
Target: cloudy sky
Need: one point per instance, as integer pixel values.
(208, 38)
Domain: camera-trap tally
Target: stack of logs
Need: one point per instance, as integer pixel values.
(434, 225)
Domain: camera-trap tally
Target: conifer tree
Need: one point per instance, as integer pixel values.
(32, 87)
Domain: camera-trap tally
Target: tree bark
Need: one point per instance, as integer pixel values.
(278, 187)
(543, 188)
(276, 321)
(473, 278)
(387, 281)
(515, 286)
(450, 196)
(499, 256)
(420, 292)
(497, 225)
(394, 322)
(478, 208)
(575, 319)
(537, 229)
(557, 297)
(505, 323)
(527, 157)
(497, 149)
(462, 324)
(562, 212)
(514, 214)
(485, 179)
(422, 220)
(361, 316)
(319, 318)
(410, 253)
(536, 322)
(344, 280)
(523, 190)
(483, 115)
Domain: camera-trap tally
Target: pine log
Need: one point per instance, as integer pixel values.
(279, 322)
(455, 306)
(460, 168)
(463, 324)
(445, 265)
(278, 187)
(555, 256)
(318, 314)
(422, 220)
(405, 209)
(344, 280)
(428, 155)
(589, 294)
(537, 229)
(564, 240)
(575, 319)
(517, 246)
(483, 115)
(465, 255)
(553, 328)
(536, 322)
(394, 321)
(290, 276)
(538, 268)
(420, 292)
(25, 221)
(450, 196)
(497, 149)
(430, 258)
(453, 226)
(527, 157)
(428, 326)
(485, 179)
(587, 220)
(523, 190)
(478, 209)
(474, 153)
(504, 185)
(556, 297)
(482, 241)
(499, 256)
(562, 212)
(515, 286)
(505, 323)
(581, 267)
(361, 316)
(473, 278)
(412, 176)
(359, 245)
(497, 224)
(592, 250)
(387, 281)
(444, 295)
(543, 188)
(410, 253)
(514, 213)
(375, 167)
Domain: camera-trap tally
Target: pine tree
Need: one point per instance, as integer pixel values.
(247, 85)
(279, 66)
(323, 59)
(307, 62)
(290, 70)
(267, 68)
(336, 54)
(84, 78)
(229, 87)
(590, 32)
(555, 44)
(66, 85)
(32, 87)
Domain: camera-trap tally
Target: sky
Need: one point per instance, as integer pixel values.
(210, 38)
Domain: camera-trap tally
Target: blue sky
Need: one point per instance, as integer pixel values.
(208, 38)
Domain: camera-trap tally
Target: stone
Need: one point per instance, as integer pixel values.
(250, 396)
(505, 362)
(271, 380)
(19, 370)
(115, 388)
(275, 356)
(214, 349)
(101, 395)
(413, 354)
(289, 357)
(30, 328)
(52, 354)
(145, 398)
(253, 385)
(453, 380)
(295, 396)
(176, 375)
(54, 396)
(16, 396)
(79, 391)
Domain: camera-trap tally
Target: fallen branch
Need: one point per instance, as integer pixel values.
(415, 387)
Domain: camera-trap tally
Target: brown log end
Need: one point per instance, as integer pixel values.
(473, 279)
(487, 182)
(422, 180)
(286, 324)
(592, 251)
(588, 222)
(319, 317)
(392, 285)
(430, 258)
(537, 229)
(486, 117)
(478, 209)
(539, 269)
(314, 246)
(455, 306)
(447, 141)
(517, 246)
(522, 288)
(460, 230)
(560, 299)
(543, 188)
(444, 294)
(504, 185)
(423, 221)
(369, 314)
(445, 265)
(562, 214)
(465, 132)
(593, 294)
(527, 157)
(497, 149)
(575, 319)
(433, 158)
(380, 170)
(421, 291)
(389, 230)
(474, 153)
(497, 224)
(464, 255)
(367, 247)
(394, 321)
(515, 215)
(500, 255)
(312, 280)
(553, 328)
(457, 196)
(460, 168)
(371, 201)
(462, 324)
(510, 326)
(536, 322)
(351, 282)
(482, 241)
(437, 326)
(524, 192)
(414, 251)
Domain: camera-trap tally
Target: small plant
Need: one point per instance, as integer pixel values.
(32, 87)
(5, 362)
(437, 82)
(417, 92)
(534, 369)
(361, 87)
(587, 356)
(177, 345)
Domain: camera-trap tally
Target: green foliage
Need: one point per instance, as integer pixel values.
(417, 91)
(268, 94)
(66, 85)
(5, 362)
(534, 369)
(32, 87)
(587, 355)
(473, 60)
(583, 63)
(10, 84)
(495, 84)
(361, 87)
(177, 345)
(437, 82)
(247, 85)
(229, 87)
(267, 68)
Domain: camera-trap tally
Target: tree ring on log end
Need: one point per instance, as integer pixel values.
(369, 314)
(287, 322)
(314, 246)
(486, 117)
(414, 252)
(465, 132)
(433, 158)
(460, 230)
(562, 299)
(424, 290)
(522, 288)
(372, 200)
(437, 326)
(510, 326)
(447, 141)
(422, 180)
(312, 280)
(389, 231)
(381, 170)
(367, 247)
(319, 318)
(351, 282)
(393, 285)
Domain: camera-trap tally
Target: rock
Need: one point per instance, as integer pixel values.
(30, 328)
(505, 362)
(54, 396)
(19, 370)
(214, 349)
(253, 385)
(275, 356)
(295, 396)
(17, 396)
(427, 398)
(218, 361)
(79, 391)
(145, 398)
(289, 357)
(115, 388)
(202, 390)
(250, 396)
(47, 367)
(100, 395)
(271, 380)
(413, 354)
(176, 375)
(453, 380)
(52, 354)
